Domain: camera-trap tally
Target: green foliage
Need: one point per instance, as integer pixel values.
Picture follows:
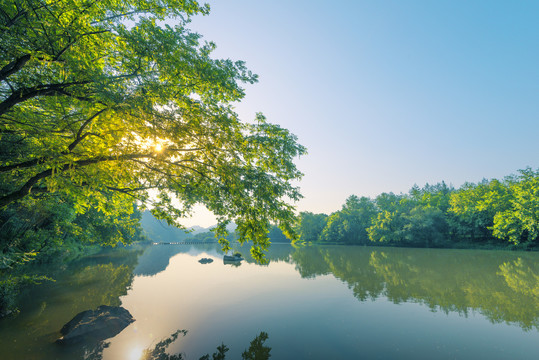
(104, 104)
(115, 281)
(349, 225)
(519, 223)
(507, 210)
(220, 354)
(475, 206)
(489, 214)
(387, 227)
(48, 230)
(257, 350)
(81, 284)
(277, 235)
(49, 227)
(426, 226)
(10, 286)
(310, 226)
(159, 350)
(502, 286)
(436, 196)
(388, 223)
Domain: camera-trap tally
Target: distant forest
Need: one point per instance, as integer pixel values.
(490, 214)
(159, 231)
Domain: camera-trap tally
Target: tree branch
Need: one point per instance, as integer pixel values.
(27, 187)
(14, 66)
(130, 190)
(24, 190)
(61, 52)
(24, 94)
(81, 137)
(11, 21)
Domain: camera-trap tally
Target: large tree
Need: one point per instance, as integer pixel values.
(106, 102)
(310, 226)
(518, 221)
(350, 223)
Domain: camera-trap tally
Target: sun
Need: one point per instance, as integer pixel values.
(135, 353)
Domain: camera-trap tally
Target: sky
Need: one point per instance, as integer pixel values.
(388, 94)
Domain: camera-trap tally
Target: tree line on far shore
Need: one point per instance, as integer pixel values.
(491, 213)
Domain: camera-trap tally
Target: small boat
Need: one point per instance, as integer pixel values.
(232, 258)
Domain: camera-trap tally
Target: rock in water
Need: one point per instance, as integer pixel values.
(95, 325)
(205, 260)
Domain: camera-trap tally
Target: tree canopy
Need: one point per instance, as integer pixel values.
(111, 102)
(492, 213)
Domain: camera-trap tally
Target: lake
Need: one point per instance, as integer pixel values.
(314, 302)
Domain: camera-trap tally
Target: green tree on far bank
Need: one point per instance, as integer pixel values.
(518, 220)
(350, 223)
(310, 226)
(495, 213)
(474, 207)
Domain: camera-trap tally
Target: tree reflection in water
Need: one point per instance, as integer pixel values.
(502, 286)
(256, 351)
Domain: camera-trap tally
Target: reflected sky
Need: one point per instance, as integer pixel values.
(318, 302)
(315, 317)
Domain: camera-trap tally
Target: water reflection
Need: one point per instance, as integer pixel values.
(257, 350)
(156, 258)
(296, 298)
(98, 280)
(502, 286)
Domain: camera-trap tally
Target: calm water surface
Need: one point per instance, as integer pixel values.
(317, 302)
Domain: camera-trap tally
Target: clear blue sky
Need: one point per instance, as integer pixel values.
(388, 94)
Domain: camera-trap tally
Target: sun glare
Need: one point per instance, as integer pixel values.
(158, 147)
(135, 353)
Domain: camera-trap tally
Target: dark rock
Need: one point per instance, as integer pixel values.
(205, 260)
(95, 325)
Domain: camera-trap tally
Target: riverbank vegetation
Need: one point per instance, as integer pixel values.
(449, 281)
(501, 285)
(489, 214)
(48, 230)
